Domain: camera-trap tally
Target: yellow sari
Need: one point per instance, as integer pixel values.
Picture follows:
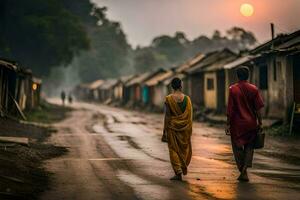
(178, 128)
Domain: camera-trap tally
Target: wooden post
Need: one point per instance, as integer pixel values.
(272, 35)
(292, 119)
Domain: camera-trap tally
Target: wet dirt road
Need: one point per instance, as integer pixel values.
(117, 154)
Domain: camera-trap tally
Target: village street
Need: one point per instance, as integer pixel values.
(117, 154)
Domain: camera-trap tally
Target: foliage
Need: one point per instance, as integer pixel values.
(48, 113)
(40, 34)
(146, 59)
(109, 52)
(43, 34)
(168, 51)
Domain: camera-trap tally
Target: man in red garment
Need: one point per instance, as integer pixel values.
(243, 120)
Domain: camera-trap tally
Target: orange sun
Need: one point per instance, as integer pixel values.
(247, 10)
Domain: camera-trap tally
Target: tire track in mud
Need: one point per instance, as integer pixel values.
(130, 165)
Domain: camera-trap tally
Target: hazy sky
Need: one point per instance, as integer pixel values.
(142, 20)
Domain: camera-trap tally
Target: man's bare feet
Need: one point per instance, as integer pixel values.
(177, 177)
(243, 177)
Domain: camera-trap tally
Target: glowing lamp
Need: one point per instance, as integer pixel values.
(34, 86)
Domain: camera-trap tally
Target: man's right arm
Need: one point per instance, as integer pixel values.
(259, 118)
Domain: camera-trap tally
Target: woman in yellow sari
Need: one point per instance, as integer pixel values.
(178, 129)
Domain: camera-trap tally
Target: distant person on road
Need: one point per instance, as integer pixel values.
(244, 120)
(70, 99)
(63, 97)
(178, 129)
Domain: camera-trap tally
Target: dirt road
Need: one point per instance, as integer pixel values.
(117, 154)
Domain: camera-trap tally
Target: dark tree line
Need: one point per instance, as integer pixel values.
(109, 50)
(43, 34)
(172, 50)
(40, 34)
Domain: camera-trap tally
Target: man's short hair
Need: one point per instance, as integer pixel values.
(242, 73)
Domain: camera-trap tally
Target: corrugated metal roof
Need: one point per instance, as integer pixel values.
(159, 77)
(279, 40)
(240, 61)
(138, 79)
(108, 84)
(291, 43)
(144, 77)
(210, 59)
(219, 64)
(95, 84)
(125, 79)
(190, 63)
(8, 65)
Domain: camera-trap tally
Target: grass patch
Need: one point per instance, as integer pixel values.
(48, 113)
(281, 130)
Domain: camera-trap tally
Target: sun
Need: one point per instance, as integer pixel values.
(247, 10)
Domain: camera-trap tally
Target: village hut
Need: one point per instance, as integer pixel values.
(18, 89)
(8, 77)
(94, 89)
(106, 90)
(23, 91)
(148, 91)
(133, 88)
(28, 90)
(274, 68)
(157, 90)
(164, 88)
(206, 79)
(83, 92)
(119, 88)
(36, 88)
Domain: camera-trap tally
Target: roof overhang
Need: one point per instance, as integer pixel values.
(241, 61)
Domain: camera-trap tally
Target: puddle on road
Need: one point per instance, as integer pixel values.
(136, 146)
(109, 119)
(143, 188)
(99, 128)
(212, 161)
(212, 190)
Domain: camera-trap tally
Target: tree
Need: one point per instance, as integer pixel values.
(168, 50)
(40, 34)
(216, 35)
(148, 59)
(109, 53)
(245, 38)
(172, 47)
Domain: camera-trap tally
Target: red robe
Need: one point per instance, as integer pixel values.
(243, 121)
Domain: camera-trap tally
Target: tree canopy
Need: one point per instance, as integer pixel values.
(169, 51)
(40, 34)
(43, 34)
